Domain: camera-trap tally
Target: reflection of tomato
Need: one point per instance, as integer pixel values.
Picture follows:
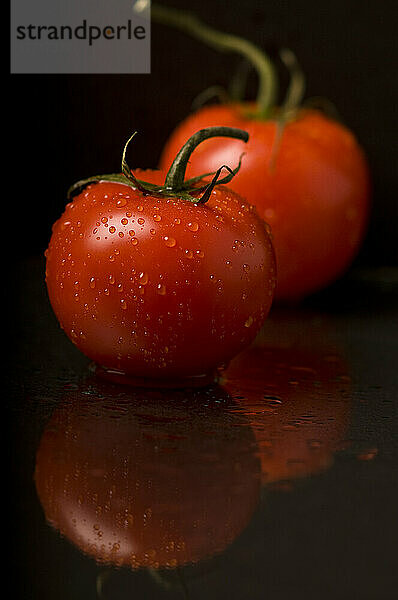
(297, 401)
(150, 479)
(159, 286)
(312, 188)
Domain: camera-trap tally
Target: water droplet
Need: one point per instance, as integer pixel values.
(140, 221)
(249, 322)
(104, 219)
(161, 289)
(124, 221)
(140, 208)
(121, 202)
(272, 399)
(157, 218)
(193, 226)
(314, 444)
(177, 221)
(123, 304)
(112, 229)
(246, 268)
(132, 232)
(369, 454)
(92, 282)
(169, 241)
(144, 278)
(134, 241)
(189, 253)
(111, 279)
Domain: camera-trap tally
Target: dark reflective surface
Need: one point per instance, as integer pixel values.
(281, 482)
(147, 478)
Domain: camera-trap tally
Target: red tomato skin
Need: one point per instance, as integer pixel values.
(312, 187)
(156, 287)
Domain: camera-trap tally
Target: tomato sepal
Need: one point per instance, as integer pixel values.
(175, 184)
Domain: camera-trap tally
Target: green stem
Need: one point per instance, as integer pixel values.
(176, 174)
(210, 93)
(175, 184)
(225, 42)
(296, 89)
(238, 83)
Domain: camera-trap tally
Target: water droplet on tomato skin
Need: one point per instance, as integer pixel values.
(193, 226)
(249, 322)
(144, 278)
(121, 202)
(170, 242)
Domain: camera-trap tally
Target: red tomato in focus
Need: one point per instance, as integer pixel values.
(160, 287)
(312, 188)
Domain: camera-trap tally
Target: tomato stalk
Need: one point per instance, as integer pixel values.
(295, 93)
(189, 23)
(175, 184)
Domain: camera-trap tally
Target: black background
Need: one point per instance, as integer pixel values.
(66, 127)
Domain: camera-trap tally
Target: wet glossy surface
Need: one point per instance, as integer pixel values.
(280, 483)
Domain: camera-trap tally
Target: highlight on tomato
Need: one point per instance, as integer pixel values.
(150, 478)
(296, 391)
(304, 171)
(162, 280)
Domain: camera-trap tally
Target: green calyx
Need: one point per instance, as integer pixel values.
(175, 184)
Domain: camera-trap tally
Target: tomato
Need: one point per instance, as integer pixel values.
(296, 392)
(157, 285)
(305, 173)
(314, 192)
(148, 478)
